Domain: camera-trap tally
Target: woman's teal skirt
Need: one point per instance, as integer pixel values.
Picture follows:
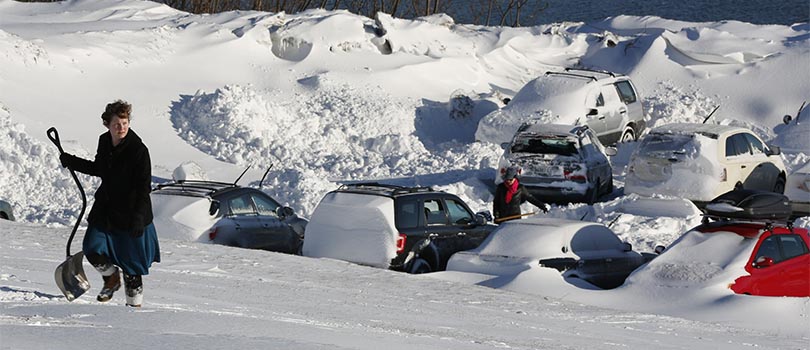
(134, 255)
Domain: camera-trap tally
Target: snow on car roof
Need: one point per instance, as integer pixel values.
(540, 237)
(552, 129)
(711, 130)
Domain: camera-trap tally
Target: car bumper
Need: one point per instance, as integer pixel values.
(557, 194)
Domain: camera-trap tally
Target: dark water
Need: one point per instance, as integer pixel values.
(751, 11)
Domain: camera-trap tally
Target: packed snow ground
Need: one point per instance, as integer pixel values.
(329, 96)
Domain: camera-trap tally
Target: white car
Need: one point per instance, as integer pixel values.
(559, 163)
(798, 189)
(606, 102)
(580, 250)
(702, 161)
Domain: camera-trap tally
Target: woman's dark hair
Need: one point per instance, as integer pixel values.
(119, 108)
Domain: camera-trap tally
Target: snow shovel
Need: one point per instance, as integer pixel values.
(70, 277)
(500, 220)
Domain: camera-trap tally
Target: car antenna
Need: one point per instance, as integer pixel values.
(614, 220)
(710, 114)
(265, 175)
(583, 216)
(799, 113)
(240, 176)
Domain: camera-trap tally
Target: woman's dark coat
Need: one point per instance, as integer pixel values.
(122, 201)
(502, 209)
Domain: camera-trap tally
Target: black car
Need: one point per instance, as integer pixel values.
(412, 229)
(227, 214)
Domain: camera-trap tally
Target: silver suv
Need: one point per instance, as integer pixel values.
(607, 102)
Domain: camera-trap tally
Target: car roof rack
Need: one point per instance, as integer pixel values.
(192, 188)
(575, 75)
(612, 74)
(768, 223)
(381, 189)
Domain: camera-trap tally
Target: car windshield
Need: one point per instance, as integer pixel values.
(545, 145)
(665, 145)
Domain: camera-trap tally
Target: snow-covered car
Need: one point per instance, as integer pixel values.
(5, 211)
(798, 189)
(580, 250)
(750, 247)
(607, 102)
(701, 161)
(559, 163)
(227, 214)
(411, 229)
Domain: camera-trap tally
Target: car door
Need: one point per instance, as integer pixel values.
(241, 222)
(738, 159)
(633, 110)
(443, 235)
(764, 173)
(274, 235)
(787, 276)
(595, 118)
(469, 234)
(613, 115)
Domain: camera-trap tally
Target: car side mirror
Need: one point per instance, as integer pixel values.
(773, 150)
(611, 151)
(762, 262)
(284, 212)
(483, 217)
(626, 247)
(214, 208)
(592, 112)
(787, 118)
(505, 146)
(659, 249)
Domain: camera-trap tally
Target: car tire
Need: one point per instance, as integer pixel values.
(629, 135)
(779, 186)
(420, 265)
(3, 216)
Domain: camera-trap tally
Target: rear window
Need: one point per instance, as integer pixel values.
(545, 145)
(626, 91)
(666, 145)
(407, 213)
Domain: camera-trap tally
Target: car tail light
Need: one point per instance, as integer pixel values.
(212, 234)
(401, 243)
(574, 173)
(723, 175)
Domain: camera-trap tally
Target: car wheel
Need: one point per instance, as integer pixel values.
(628, 135)
(779, 186)
(3, 216)
(593, 196)
(420, 265)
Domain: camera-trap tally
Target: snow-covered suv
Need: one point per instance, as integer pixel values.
(607, 102)
(559, 163)
(412, 229)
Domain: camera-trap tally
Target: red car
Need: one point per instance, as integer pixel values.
(779, 264)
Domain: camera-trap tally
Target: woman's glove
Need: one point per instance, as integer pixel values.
(66, 159)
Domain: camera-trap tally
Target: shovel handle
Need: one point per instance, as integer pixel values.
(53, 135)
(500, 220)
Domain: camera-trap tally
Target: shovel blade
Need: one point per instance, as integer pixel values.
(70, 277)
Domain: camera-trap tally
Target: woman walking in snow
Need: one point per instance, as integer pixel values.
(120, 233)
(509, 195)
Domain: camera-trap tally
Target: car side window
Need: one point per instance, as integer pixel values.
(600, 100)
(434, 212)
(626, 91)
(241, 205)
(792, 246)
(736, 145)
(458, 213)
(610, 95)
(769, 248)
(407, 213)
(756, 145)
(265, 206)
